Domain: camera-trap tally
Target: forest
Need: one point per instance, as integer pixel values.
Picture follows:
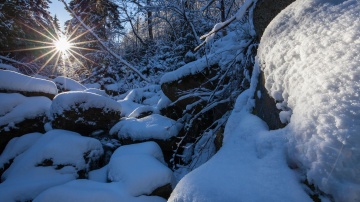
(190, 100)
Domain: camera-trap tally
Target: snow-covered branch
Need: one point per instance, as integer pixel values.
(219, 26)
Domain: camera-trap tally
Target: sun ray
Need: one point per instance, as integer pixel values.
(36, 41)
(84, 42)
(43, 55)
(42, 34)
(35, 48)
(56, 63)
(72, 51)
(83, 48)
(42, 67)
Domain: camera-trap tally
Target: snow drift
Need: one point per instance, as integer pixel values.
(310, 58)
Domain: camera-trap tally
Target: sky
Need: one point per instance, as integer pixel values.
(58, 8)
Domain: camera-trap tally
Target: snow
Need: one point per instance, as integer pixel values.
(310, 56)
(15, 108)
(27, 176)
(68, 84)
(14, 81)
(85, 100)
(154, 126)
(8, 67)
(222, 52)
(97, 91)
(137, 100)
(91, 191)
(139, 169)
(17, 146)
(250, 166)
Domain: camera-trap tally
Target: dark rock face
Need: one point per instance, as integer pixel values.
(24, 127)
(163, 191)
(85, 121)
(265, 11)
(183, 86)
(265, 106)
(28, 93)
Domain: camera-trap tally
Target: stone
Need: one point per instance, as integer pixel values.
(265, 11)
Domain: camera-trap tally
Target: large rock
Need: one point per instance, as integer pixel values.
(84, 112)
(188, 84)
(265, 106)
(55, 158)
(157, 128)
(13, 82)
(141, 168)
(265, 11)
(20, 115)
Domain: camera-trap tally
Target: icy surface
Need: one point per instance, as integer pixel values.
(16, 108)
(250, 166)
(68, 84)
(310, 55)
(154, 126)
(138, 167)
(14, 81)
(91, 191)
(29, 174)
(85, 100)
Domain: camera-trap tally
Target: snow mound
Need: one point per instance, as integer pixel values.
(67, 84)
(15, 108)
(310, 55)
(55, 158)
(250, 166)
(84, 100)
(138, 167)
(13, 81)
(154, 126)
(90, 191)
(17, 146)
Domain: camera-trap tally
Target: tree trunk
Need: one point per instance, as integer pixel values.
(149, 21)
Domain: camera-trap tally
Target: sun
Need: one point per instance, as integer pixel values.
(62, 45)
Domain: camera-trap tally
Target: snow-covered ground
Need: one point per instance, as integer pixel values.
(250, 166)
(310, 58)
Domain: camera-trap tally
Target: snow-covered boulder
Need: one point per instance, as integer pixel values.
(141, 168)
(55, 158)
(87, 190)
(310, 57)
(66, 84)
(84, 112)
(13, 82)
(20, 115)
(150, 128)
(15, 147)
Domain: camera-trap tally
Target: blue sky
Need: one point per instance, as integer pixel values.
(58, 8)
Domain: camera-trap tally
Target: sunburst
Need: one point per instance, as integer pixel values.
(61, 48)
